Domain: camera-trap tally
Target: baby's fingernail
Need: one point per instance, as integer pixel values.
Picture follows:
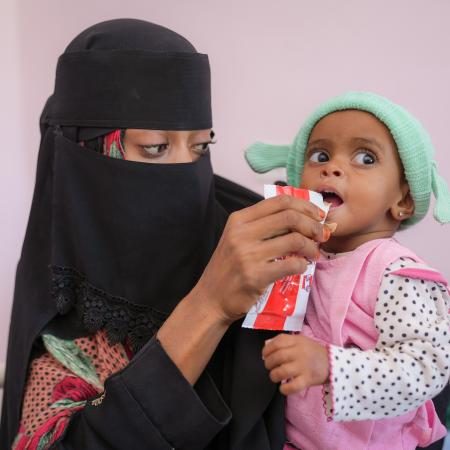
(331, 226)
(267, 341)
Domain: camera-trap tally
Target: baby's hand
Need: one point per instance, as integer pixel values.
(297, 360)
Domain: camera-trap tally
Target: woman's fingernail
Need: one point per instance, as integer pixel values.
(322, 213)
(331, 226)
(326, 233)
(318, 255)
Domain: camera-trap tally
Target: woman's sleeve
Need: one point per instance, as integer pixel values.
(410, 363)
(148, 404)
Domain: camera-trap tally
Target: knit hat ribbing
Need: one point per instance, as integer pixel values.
(413, 143)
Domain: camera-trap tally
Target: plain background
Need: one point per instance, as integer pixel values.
(272, 63)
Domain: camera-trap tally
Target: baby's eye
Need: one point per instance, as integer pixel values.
(319, 156)
(154, 150)
(365, 158)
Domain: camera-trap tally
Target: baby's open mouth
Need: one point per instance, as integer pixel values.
(332, 198)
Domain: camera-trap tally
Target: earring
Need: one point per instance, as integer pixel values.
(401, 214)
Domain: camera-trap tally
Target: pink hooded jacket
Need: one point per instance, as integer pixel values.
(341, 313)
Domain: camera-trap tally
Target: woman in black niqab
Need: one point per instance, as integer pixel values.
(115, 245)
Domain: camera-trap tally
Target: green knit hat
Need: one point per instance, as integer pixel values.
(413, 143)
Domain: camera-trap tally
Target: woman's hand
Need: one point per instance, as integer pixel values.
(297, 360)
(245, 261)
(239, 271)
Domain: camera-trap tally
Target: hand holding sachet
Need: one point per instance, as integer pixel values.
(283, 304)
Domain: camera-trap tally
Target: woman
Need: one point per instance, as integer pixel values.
(122, 334)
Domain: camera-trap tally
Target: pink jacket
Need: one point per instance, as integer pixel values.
(340, 312)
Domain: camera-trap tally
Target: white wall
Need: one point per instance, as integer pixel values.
(17, 161)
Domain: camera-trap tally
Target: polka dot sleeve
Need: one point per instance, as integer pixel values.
(410, 363)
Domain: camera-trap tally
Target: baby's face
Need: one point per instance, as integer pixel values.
(352, 160)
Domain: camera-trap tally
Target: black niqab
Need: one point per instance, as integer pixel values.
(129, 75)
(117, 244)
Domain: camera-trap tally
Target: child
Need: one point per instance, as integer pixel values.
(374, 348)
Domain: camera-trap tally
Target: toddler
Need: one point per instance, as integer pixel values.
(374, 349)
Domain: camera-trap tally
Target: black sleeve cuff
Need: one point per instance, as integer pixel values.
(186, 417)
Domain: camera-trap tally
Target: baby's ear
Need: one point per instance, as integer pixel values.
(403, 208)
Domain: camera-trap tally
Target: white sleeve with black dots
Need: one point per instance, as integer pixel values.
(410, 363)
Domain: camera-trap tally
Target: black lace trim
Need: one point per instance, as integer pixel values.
(98, 309)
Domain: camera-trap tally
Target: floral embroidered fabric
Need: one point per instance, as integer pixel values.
(61, 381)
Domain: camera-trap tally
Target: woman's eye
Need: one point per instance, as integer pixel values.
(365, 158)
(319, 156)
(202, 148)
(154, 150)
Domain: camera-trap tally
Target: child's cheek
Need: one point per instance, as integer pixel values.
(303, 181)
(304, 184)
(307, 178)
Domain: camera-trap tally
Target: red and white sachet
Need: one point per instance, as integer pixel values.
(283, 304)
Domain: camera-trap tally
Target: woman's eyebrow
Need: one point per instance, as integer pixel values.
(203, 136)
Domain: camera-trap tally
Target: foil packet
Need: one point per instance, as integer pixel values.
(283, 304)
